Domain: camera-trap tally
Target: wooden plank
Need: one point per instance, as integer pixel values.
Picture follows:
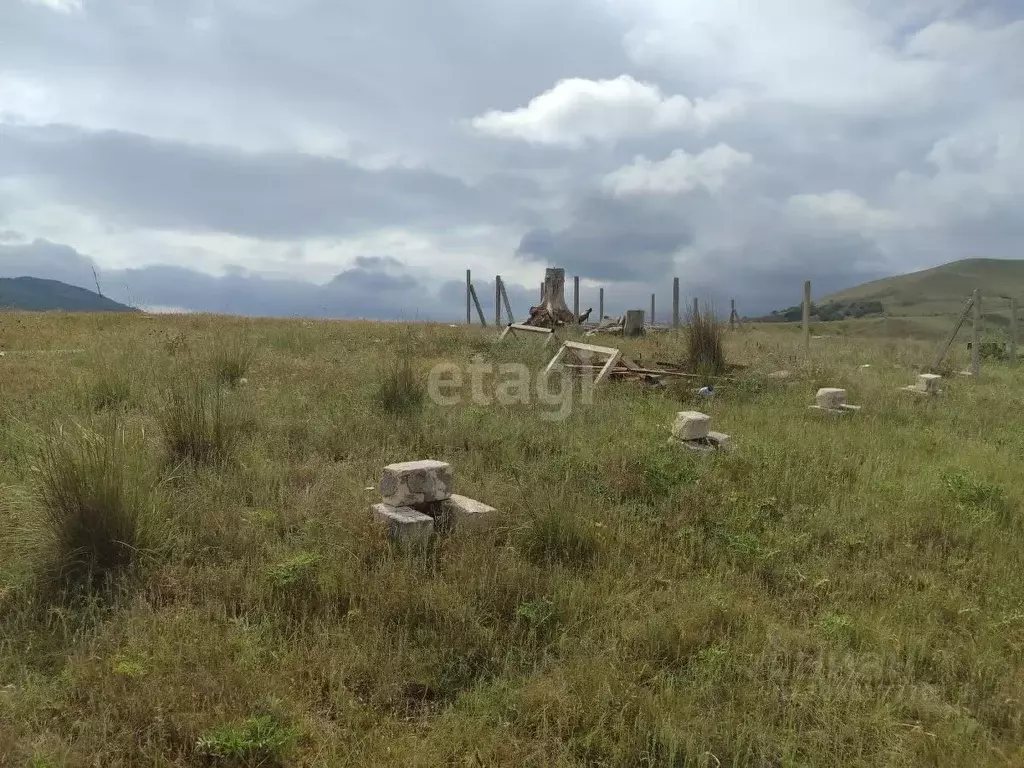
(606, 371)
(556, 360)
(506, 332)
(479, 309)
(952, 336)
(591, 348)
(530, 328)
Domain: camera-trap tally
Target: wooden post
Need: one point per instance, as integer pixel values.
(576, 298)
(807, 316)
(479, 309)
(469, 300)
(497, 301)
(976, 335)
(675, 302)
(732, 313)
(696, 310)
(1013, 331)
(600, 305)
(652, 309)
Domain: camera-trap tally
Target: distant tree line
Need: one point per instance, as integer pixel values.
(832, 310)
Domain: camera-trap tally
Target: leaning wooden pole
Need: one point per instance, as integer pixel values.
(1013, 331)
(479, 309)
(976, 335)
(504, 298)
(675, 302)
(732, 313)
(953, 334)
(469, 299)
(807, 316)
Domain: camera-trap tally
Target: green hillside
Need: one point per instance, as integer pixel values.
(942, 290)
(36, 294)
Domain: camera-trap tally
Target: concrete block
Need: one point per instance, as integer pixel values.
(461, 511)
(720, 441)
(691, 425)
(405, 525)
(929, 383)
(415, 482)
(830, 397)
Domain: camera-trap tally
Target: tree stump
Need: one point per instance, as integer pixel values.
(552, 310)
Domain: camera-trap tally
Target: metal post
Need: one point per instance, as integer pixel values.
(1013, 331)
(976, 335)
(469, 300)
(600, 305)
(652, 309)
(807, 316)
(497, 301)
(576, 297)
(675, 302)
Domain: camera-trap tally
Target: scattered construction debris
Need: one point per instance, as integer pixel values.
(692, 429)
(512, 328)
(417, 501)
(833, 400)
(927, 384)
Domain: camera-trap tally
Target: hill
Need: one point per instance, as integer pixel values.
(39, 295)
(942, 290)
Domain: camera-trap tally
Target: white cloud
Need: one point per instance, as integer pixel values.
(61, 6)
(576, 111)
(830, 54)
(842, 210)
(678, 173)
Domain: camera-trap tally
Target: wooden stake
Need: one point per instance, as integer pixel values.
(576, 297)
(976, 335)
(732, 313)
(497, 301)
(807, 316)
(600, 305)
(479, 309)
(1013, 331)
(675, 302)
(696, 309)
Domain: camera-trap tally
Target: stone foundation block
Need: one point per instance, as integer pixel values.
(691, 425)
(405, 525)
(416, 482)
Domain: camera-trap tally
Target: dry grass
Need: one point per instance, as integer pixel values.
(836, 592)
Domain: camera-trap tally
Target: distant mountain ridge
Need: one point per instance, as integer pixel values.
(39, 295)
(930, 292)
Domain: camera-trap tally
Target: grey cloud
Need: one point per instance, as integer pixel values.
(140, 181)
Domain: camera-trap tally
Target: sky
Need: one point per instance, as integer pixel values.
(344, 159)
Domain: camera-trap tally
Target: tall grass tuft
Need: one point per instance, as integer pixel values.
(399, 390)
(197, 426)
(96, 499)
(705, 350)
(232, 359)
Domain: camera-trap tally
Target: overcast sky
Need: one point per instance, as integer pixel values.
(355, 158)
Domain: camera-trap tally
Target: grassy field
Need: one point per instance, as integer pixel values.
(834, 592)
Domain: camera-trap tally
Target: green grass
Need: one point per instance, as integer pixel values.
(834, 592)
